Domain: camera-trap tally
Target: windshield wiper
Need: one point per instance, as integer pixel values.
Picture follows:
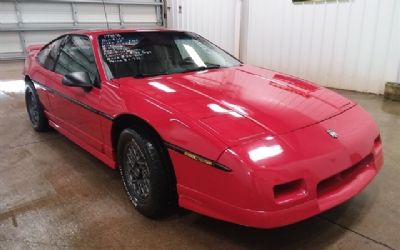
(212, 66)
(146, 75)
(215, 66)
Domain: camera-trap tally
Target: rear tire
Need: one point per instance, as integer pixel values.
(35, 109)
(144, 174)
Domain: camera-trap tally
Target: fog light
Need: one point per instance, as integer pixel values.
(290, 191)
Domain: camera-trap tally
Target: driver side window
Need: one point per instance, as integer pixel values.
(77, 56)
(48, 55)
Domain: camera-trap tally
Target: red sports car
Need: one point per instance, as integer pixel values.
(188, 124)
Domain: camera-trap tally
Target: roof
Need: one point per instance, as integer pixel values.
(97, 32)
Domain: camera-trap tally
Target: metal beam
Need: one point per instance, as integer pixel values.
(116, 2)
(159, 14)
(20, 34)
(41, 27)
(74, 16)
(121, 15)
(11, 56)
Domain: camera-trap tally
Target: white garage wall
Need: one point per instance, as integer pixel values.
(217, 21)
(353, 44)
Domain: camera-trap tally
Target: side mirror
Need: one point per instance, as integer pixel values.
(78, 79)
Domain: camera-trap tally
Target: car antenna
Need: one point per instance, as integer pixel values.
(105, 14)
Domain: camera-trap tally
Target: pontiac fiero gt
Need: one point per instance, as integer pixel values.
(188, 124)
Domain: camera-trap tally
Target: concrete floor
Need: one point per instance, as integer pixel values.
(55, 195)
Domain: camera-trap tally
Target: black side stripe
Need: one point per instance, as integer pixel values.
(176, 148)
(83, 105)
(197, 157)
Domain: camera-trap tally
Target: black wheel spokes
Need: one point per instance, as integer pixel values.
(138, 172)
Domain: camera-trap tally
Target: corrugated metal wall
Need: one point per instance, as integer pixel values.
(346, 44)
(352, 44)
(214, 20)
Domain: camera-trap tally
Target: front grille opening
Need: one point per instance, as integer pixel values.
(290, 191)
(378, 141)
(378, 145)
(334, 183)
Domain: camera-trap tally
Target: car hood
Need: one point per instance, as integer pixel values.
(276, 102)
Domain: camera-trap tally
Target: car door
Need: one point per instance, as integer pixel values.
(43, 74)
(76, 109)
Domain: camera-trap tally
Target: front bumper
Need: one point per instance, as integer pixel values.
(341, 191)
(279, 181)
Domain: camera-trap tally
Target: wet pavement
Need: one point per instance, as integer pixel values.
(54, 195)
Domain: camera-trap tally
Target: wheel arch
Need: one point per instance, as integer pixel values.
(28, 80)
(140, 125)
(145, 129)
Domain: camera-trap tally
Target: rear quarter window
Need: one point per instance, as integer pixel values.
(48, 55)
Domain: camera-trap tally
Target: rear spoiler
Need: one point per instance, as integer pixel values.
(31, 52)
(33, 48)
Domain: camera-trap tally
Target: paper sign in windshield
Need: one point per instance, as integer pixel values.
(118, 49)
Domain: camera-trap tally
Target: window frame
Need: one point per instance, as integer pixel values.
(69, 36)
(65, 37)
(306, 1)
(58, 52)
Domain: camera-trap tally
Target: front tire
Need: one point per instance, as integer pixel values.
(35, 110)
(144, 174)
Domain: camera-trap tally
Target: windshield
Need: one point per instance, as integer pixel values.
(141, 54)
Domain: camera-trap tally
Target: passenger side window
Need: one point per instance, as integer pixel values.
(189, 49)
(77, 56)
(47, 56)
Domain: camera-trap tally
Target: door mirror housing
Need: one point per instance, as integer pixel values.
(78, 79)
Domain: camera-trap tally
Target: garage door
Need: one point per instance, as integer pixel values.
(27, 22)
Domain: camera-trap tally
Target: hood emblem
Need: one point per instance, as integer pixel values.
(332, 133)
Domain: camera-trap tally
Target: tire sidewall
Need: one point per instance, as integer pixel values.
(30, 91)
(42, 124)
(156, 204)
